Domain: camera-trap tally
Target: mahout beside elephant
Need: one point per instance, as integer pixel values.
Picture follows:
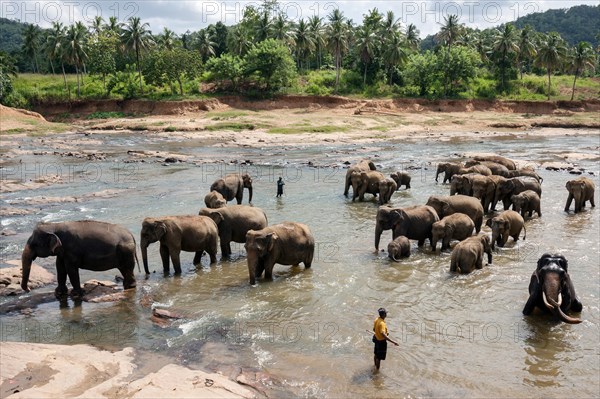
(87, 244)
(551, 289)
(362, 166)
(286, 243)
(232, 186)
(189, 233)
(528, 171)
(479, 169)
(234, 222)
(449, 169)
(412, 222)
(447, 205)
(496, 168)
(467, 255)
(214, 200)
(510, 164)
(526, 202)
(506, 189)
(401, 179)
(484, 188)
(462, 184)
(506, 224)
(581, 190)
(387, 187)
(399, 248)
(457, 226)
(365, 182)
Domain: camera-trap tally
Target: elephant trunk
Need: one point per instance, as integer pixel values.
(144, 247)
(250, 193)
(550, 291)
(378, 231)
(26, 259)
(437, 174)
(252, 263)
(489, 254)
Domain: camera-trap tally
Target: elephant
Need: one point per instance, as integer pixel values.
(399, 248)
(515, 185)
(496, 168)
(287, 243)
(462, 184)
(497, 181)
(580, 190)
(457, 226)
(449, 169)
(527, 201)
(479, 169)
(234, 222)
(387, 187)
(467, 255)
(551, 289)
(232, 186)
(401, 179)
(414, 222)
(365, 182)
(362, 166)
(510, 164)
(188, 233)
(447, 205)
(214, 200)
(484, 188)
(530, 172)
(506, 224)
(89, 245)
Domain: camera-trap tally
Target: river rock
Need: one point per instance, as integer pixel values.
(11, 277)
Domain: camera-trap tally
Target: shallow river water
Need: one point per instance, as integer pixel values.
(459, 335)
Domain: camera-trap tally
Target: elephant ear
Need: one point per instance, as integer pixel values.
(54, 243)
(372, 165)
(270, 241)
(160, 228)
(506, 225)
(488, 222)
(563, 262)
(568, 185)
(217, 217)
(445, 208)
(448, 230)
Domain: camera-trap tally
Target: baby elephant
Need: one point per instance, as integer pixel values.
(215, 200)
(526, 202)
(179, 233)
(287, 243)
(468, 254)
(506, 224)
(401, 179)
(457, 226)
(580, 190)
(399, 248)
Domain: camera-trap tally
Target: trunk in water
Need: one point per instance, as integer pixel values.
(252, 263)
(144, 248)
(378, 231)
(26, 260)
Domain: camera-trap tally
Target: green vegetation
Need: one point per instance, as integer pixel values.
(230, 126)
(106, 115)
(307, 129)
(266, 53)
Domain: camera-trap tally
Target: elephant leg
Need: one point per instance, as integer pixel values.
(61, 277)
(73, 273)
(212, 251)
(421, 242)
(268, 264)
(568, 204)
(176, 261)
(239, 196)
(164, 255)
(592, 201)
(346, 187)
(505, 239)
(260, 268)
(479, 262)
(126, 267)
(197, 258)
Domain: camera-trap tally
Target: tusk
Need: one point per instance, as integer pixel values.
(559, 299)
(546, 301)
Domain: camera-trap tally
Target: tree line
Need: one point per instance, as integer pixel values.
(266, 51)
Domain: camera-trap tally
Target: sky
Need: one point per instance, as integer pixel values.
(181, 16)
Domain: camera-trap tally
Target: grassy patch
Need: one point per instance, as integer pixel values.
(230, 126)
(138, 128)
(106, 115)
(216, 116)
(379, 128)
(307, 129)
(170, 129)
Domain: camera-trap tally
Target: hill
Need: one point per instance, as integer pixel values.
(11, 35)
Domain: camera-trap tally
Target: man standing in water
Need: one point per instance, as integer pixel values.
(380, 338)
(280, 185)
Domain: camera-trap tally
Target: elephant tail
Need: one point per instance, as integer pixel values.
(135, 254)
(525, 230)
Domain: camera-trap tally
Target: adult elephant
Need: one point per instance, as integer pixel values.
(234, 222)
(401, 179)
(189, 233)
(287, 243)
(479, 169)
(551, 289)
(484, 188)
(232, 186)
(462, 184)
(214, 200)
(399, 248)
(387, 187)
(530, 172)
(449, 169)
(364, 165)
(88, 245)
(457, 226)
(506, 224)
(496, 168)
(413, 222)
(448, 205)
(467, 255)
(497, 180)
(509, 163)
(581, 190)
(365, 182)
(516, 185)
(526, 202)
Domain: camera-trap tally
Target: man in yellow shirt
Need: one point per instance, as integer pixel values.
(381, 337)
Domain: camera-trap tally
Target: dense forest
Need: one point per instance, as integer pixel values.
(268, 53)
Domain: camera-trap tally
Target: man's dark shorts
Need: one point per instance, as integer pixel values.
(380, 349)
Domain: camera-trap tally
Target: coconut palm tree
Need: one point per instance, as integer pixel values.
(263, 27)
(304, 42)
(337, 40)
(239, 39)
(281, 30)
(505, 43)
(412, 37)
(315, 26)
(113, 27)
(31, 45)
(389, 26)
(551, 53)
(366, 44)
(167, 39)
(96, 26)
(52, 44)
(582, 58)
(205, 45)
(394, 53)
(527, 48)
(74, 49)
(450, 32)
(136, 37)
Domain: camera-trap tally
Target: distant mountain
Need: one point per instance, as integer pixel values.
(11, 35)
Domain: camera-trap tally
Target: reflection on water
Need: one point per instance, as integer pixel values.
(459, 335)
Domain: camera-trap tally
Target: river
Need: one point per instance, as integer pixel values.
(459, 335)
